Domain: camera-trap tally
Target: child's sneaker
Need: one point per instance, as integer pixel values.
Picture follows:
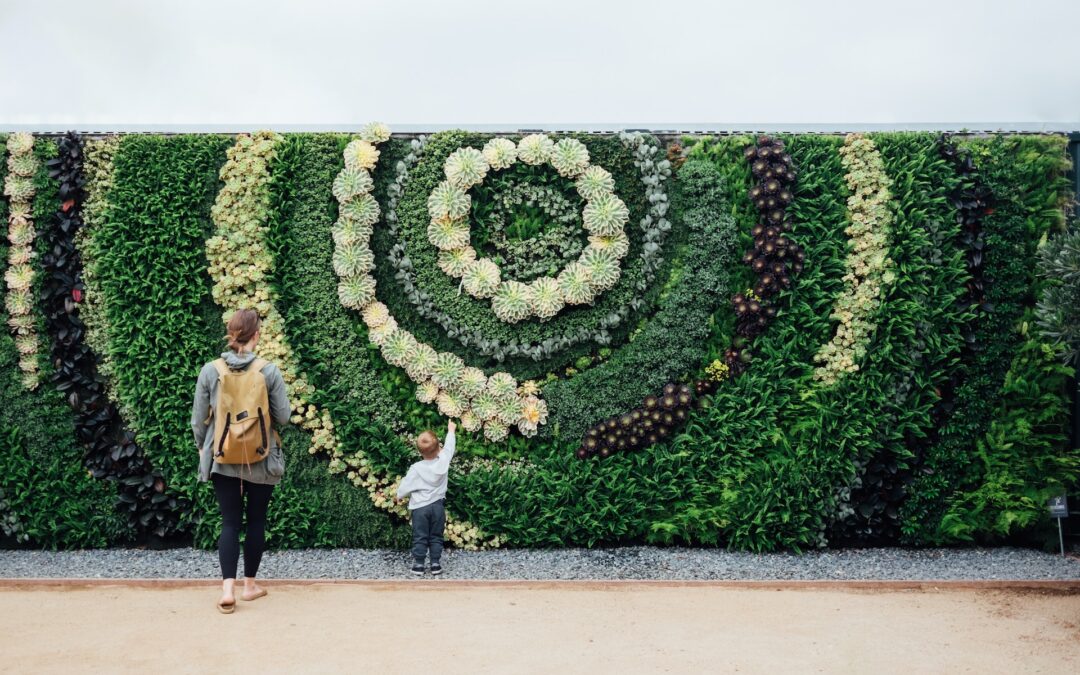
(436, 568)
(418, 570)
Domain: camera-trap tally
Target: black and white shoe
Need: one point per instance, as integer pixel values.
(418, 570)
(436, 569)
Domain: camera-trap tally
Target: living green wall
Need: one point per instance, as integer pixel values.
(805, 394)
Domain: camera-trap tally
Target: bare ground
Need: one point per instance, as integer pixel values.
(537, 628)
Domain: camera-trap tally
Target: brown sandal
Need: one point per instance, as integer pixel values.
(226, 607)
(254, 596)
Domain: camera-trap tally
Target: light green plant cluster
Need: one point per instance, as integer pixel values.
(100, 173)
(19, 187)
(240, 264)
(357, 214)
(868, 268)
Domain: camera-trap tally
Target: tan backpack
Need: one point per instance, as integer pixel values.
(242, 424)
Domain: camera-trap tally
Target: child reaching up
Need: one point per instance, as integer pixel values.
(425, 484)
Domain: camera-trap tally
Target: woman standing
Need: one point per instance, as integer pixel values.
(238, 400)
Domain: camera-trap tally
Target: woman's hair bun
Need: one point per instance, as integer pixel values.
(242, 327)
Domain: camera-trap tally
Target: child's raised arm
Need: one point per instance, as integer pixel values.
(449, 445)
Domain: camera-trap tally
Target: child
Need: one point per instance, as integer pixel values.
(425, 483)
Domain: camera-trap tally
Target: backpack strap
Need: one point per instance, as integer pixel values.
(257, 365)
(221, 367)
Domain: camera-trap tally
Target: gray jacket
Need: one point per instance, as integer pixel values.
(266, 472)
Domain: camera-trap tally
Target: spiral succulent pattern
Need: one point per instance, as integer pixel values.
(605, 216)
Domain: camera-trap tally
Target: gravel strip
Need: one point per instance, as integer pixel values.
(617, 563)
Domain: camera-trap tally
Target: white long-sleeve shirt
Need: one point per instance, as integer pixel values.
(425, 483)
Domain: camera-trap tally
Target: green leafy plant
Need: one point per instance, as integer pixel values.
(159, 221)
(1026, 176)
(1058, 312)
(1022, 456)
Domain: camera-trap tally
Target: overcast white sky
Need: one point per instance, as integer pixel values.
(270, 62)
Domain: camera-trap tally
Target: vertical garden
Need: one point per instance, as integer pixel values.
(751, 342)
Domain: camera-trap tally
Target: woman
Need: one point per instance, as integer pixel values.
(251, 478)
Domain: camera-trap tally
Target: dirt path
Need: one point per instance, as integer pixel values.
(542, 629)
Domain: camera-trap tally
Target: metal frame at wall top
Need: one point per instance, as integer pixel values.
(659, 128)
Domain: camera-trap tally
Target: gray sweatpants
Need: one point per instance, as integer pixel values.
(428, 523)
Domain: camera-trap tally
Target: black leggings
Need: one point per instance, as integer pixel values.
(230, 492)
